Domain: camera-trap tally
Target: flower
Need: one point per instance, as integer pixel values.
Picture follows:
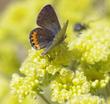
(69, 84)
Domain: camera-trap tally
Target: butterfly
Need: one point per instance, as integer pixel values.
(49, 32)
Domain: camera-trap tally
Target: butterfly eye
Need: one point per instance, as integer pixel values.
(79, 27)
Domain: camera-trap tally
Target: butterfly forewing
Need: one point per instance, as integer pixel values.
(47, 19)
(40, 38)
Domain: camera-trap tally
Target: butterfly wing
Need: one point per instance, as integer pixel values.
(47, 19)
(60, 36)
(40, 38)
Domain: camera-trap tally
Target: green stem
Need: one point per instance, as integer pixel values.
(44, 98)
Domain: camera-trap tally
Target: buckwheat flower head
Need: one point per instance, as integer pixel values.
(24, 86)
(68, 84)
(86, 99)
(92, 48)
(39, 70)
(92, 51)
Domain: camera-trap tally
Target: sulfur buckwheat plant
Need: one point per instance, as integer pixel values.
(75, 71)
(71, 73)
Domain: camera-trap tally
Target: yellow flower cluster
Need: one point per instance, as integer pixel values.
(73, 72)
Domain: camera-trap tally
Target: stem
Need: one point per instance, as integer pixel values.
(44, 98)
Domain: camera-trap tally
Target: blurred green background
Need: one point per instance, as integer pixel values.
(18, 18)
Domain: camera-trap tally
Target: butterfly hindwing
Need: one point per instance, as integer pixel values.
(40, 38)
(47, 19)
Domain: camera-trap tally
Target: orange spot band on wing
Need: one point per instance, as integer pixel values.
(35, 39)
